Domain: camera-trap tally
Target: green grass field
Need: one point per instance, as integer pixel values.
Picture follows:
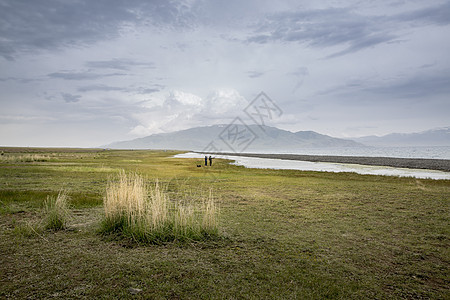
(283, 234)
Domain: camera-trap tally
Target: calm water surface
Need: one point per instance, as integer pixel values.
(266, 163)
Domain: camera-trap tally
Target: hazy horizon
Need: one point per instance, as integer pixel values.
(306, 130)
(83, 74)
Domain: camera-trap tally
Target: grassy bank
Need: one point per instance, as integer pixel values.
(285, 234)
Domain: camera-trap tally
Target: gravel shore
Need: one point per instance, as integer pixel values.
(411, 163)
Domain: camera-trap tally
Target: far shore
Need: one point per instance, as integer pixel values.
(411, 163)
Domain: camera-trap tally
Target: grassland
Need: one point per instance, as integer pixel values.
(285, 234)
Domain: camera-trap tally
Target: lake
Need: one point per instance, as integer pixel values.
(438, 152)
(406, 152)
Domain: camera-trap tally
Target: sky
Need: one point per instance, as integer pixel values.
(83, 73)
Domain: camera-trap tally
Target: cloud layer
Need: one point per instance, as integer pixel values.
(85, 73)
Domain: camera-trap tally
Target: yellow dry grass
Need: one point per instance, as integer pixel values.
(146, 213)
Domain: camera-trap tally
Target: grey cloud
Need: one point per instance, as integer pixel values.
(69, 98)
(21, 80)
(107, 88)
(118, 64)
(180, 110)
(100, 87)
(20, 118)
(314, 27)
(300, 74)
(343, 27)
(438, 14)
(365, 42)
(48, 96)
(148, 91)
(91, 108)
(28, 26)
(420, 86)
(81, 75)
(31, 25)
(6, 51)
(254, 74)
(426, 66)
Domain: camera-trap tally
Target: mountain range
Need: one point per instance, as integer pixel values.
(433, 137)
(254, 138)
(236, 138)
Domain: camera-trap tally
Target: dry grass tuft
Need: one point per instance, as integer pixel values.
(57, 211)
(146, 214)
(209, 222)
(24, 158)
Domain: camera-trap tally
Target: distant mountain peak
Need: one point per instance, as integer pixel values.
(433, 137)
(262, 138)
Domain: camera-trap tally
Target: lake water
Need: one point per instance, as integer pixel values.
(403, 152)
(266, 163)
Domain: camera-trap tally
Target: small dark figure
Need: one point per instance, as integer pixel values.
(199, 166)
(210, 160)
(206, 160)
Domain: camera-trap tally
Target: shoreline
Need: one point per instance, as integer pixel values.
(410, 163)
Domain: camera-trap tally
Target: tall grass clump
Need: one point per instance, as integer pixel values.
(209, 220)
(24, 158)
(146, 214)
(56, 211)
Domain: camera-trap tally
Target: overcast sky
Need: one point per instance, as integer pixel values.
(86, 73)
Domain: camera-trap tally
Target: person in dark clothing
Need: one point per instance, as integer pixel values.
(206, 160)
(210, 160)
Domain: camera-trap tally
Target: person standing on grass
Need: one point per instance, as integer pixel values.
(206, 161)
(210, 160)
